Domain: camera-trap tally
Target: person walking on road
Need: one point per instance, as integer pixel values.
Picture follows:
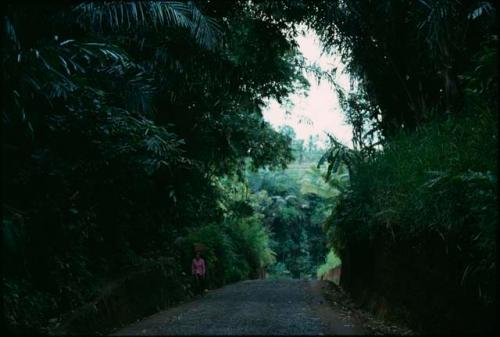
(198, 269)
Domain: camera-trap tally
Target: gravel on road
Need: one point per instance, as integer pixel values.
(254, 307)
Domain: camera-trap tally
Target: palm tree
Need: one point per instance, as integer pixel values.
(337, 155)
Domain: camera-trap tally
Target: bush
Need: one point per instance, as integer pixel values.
(25, 308)
(252, 240)
(235, 249)
(279, 271)
(331, 262)
(420, 220)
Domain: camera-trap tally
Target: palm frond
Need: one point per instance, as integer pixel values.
(10, 32)
(337, 154)
(133, 15)
(153, 146)
(483, 8)
(59, 69)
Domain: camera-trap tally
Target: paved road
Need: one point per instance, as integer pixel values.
(257, 307)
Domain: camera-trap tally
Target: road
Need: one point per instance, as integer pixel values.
(255, 307)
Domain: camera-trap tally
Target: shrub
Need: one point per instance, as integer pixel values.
(420, 220)
(235, 249)
(331, 261)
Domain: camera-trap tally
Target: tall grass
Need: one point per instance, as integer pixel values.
(420, 220)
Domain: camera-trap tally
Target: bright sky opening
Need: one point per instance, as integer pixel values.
(319, 112)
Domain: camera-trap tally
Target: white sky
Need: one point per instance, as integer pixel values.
(320, 111)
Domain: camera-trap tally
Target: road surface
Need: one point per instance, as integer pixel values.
(255, 307)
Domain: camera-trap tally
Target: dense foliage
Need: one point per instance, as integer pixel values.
(129, 129)
(420, 221)
(408, 57)
(120, 119)
(419, 218)
(295, 204)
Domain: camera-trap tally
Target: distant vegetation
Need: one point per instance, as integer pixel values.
(295, 203)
